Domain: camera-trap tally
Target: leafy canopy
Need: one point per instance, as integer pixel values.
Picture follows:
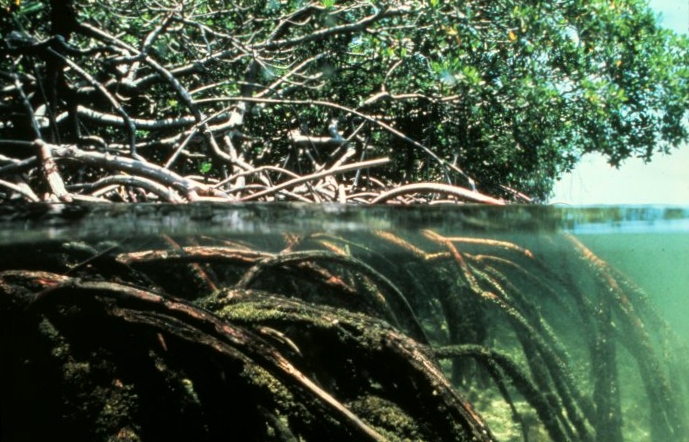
(509, 93)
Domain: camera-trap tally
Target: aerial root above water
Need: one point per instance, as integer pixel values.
(119, 178)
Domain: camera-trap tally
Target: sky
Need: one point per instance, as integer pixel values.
(665, 180)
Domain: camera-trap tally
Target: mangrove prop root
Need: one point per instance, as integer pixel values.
(203, 328)
(368, 337)
(667, 422)
(173, 318)
(503, 368)
(399, 365)
(408, 319)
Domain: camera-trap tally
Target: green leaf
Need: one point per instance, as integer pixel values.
(205, 167)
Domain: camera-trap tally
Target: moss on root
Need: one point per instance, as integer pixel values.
(329, 348)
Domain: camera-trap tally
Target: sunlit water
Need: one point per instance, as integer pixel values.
(647, 245)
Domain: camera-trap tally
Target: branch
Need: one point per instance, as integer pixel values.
(181, 91)
(366, 117)
(128, 123)
(24, 191)
(445, 189)
(297, 138)
(164, 193)
(325, 33)
(313, 176)
(50, 172)
(190, 189)
(114, 120)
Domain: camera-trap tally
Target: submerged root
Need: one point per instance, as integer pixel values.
(376, 338)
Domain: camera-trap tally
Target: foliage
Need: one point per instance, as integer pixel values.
(505, 94)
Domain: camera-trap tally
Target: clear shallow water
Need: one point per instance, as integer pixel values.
(583, 317)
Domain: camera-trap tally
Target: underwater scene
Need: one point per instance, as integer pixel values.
(291, 322)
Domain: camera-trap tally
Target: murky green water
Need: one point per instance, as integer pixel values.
(553, 324)
(658, 261)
